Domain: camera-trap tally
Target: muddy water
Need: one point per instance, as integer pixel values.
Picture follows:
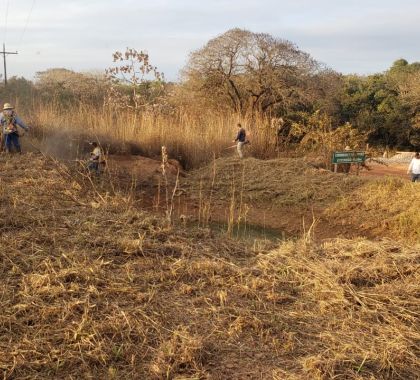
(249, 231)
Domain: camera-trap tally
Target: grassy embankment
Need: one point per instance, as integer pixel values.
(94, 288)
(288, 191)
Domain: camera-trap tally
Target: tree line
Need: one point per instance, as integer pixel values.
(253, 75)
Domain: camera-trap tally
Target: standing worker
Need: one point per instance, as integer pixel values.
(95, 157)
(240, 140)
(414, 168)
(9, 122)
(347, 166)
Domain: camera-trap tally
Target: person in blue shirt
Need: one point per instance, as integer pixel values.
(10, 122)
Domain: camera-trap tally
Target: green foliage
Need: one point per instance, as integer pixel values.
(386, 106)
(317, 133)
(407, 78)
(402, 68)
(374, 106)
(19, 91)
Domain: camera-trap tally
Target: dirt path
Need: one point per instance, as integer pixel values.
(378, 170)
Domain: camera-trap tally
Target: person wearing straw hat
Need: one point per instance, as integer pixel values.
(9, 122)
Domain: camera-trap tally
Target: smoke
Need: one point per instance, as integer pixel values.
(62, 145)
(67, 145)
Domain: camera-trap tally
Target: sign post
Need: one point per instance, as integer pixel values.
(348, 157)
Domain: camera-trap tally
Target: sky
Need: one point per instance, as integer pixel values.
(350, 36)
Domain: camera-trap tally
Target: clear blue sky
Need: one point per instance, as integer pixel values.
(349, 36)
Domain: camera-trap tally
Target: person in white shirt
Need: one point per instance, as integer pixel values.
(95, 157)
(414, 168)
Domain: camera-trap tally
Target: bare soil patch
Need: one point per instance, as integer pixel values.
(380, 170)
(142, 170)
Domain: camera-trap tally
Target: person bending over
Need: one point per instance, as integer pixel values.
(95, 158)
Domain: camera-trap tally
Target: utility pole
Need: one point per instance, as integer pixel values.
(4, 52)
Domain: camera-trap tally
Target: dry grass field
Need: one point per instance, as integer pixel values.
(93, 286)
(179, 261)
(193, 140)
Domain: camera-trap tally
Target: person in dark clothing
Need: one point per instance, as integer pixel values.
(240, 140)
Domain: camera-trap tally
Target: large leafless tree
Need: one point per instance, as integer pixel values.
(250, 72)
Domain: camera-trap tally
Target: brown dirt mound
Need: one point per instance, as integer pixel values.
(143, 170)
(285, 194)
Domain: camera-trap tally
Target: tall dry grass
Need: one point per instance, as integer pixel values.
(193, 140)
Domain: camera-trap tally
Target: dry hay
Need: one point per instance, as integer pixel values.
(93, 288)
(385, 207)
(283, 181)
(356, 308)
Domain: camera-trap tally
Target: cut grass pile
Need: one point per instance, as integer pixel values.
(92, 287)
(356, 308)
(282, 182)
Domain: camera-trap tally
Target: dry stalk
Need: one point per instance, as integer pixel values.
(232, 206)
(169, 197)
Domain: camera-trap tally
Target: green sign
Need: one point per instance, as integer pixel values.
(348, 157)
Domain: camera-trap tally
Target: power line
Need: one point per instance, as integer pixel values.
(27, 22)
(4, 52)
(5, 20)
